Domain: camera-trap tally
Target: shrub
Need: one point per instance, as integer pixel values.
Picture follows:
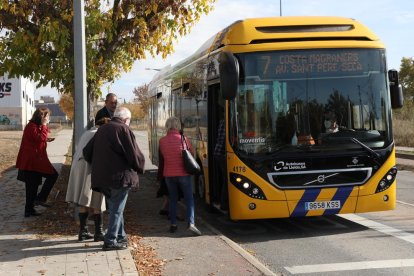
(403, 122)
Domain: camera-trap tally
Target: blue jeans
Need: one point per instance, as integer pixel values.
(184, 182)
(116, 206)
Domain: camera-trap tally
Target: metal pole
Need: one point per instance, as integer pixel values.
(80, 71)
(280, 5)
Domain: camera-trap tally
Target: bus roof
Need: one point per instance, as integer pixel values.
(273, 29)
(281, 29)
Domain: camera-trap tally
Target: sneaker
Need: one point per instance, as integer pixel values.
(84, 235)
(173, 228)
(98, 237)
(116, 246)
(194, 229)
(123, 240)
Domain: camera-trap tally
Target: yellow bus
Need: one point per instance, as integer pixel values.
(307, 108)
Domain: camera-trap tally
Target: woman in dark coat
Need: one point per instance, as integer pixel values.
(33, 163)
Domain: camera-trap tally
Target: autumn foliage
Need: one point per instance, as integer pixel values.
(37, 37)
(67, 105)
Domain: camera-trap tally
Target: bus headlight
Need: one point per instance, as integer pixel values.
(246, 186)
(387, 180)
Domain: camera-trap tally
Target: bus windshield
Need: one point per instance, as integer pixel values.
(314, 99)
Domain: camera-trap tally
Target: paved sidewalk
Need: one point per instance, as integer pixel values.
(405, 156)
(22, 253)
(405, 149)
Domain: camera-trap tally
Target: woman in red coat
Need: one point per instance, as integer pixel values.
(33, 162)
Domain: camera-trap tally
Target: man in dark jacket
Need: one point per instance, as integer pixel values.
(109, 108)
(116, 162)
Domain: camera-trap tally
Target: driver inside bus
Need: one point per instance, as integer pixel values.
(330, 123)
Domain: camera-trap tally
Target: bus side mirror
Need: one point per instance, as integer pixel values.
(396, 93)
(229, 75)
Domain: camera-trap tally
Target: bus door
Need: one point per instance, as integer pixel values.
(216, 112)
(152, 134)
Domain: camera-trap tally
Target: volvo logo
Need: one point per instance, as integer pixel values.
(321, 178)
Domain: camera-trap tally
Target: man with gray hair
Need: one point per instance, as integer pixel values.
(108, 110)
(116, 163)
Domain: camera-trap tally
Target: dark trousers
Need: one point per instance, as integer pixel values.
(32, 182)
(47, 186)
(31, 192)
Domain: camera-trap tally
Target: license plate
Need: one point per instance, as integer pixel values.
(323, 205)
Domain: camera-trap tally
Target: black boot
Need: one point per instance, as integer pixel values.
(99, 233)
(83, 229)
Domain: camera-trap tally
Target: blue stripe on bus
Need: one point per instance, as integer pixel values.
(341, 194)
(308, 195)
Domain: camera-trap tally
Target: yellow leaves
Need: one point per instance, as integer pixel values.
(67, 105)
(12, 9)
(112, 44)
(67, 16)
(152, 8)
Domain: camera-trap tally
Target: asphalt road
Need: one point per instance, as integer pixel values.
(379, 243)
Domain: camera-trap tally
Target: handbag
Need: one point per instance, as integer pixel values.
(190, 164)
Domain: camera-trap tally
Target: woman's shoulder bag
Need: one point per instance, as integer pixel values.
(190, 164)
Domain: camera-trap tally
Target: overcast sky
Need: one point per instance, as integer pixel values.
(392, 21)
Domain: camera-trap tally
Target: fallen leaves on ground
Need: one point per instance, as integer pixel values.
(9, 145)
(59, 221)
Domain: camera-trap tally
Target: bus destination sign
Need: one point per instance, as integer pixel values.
(310, 64)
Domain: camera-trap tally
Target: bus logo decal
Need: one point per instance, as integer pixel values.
(255, 140)
(289, 166)
(279, 165)
(321, 178)
(355, 160)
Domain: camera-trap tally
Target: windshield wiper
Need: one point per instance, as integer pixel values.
(376, 155)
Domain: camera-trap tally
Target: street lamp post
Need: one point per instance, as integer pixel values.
(80, 71)
(154, 69)
(280, 7)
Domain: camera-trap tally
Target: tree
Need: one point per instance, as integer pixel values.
(136, 111)
(37, 37)
(141, 94)
(407, 83)
(67, 105)
(407, 78)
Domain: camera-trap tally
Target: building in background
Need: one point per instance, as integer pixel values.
(57, 115)
(16, 102)
(45, 99)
